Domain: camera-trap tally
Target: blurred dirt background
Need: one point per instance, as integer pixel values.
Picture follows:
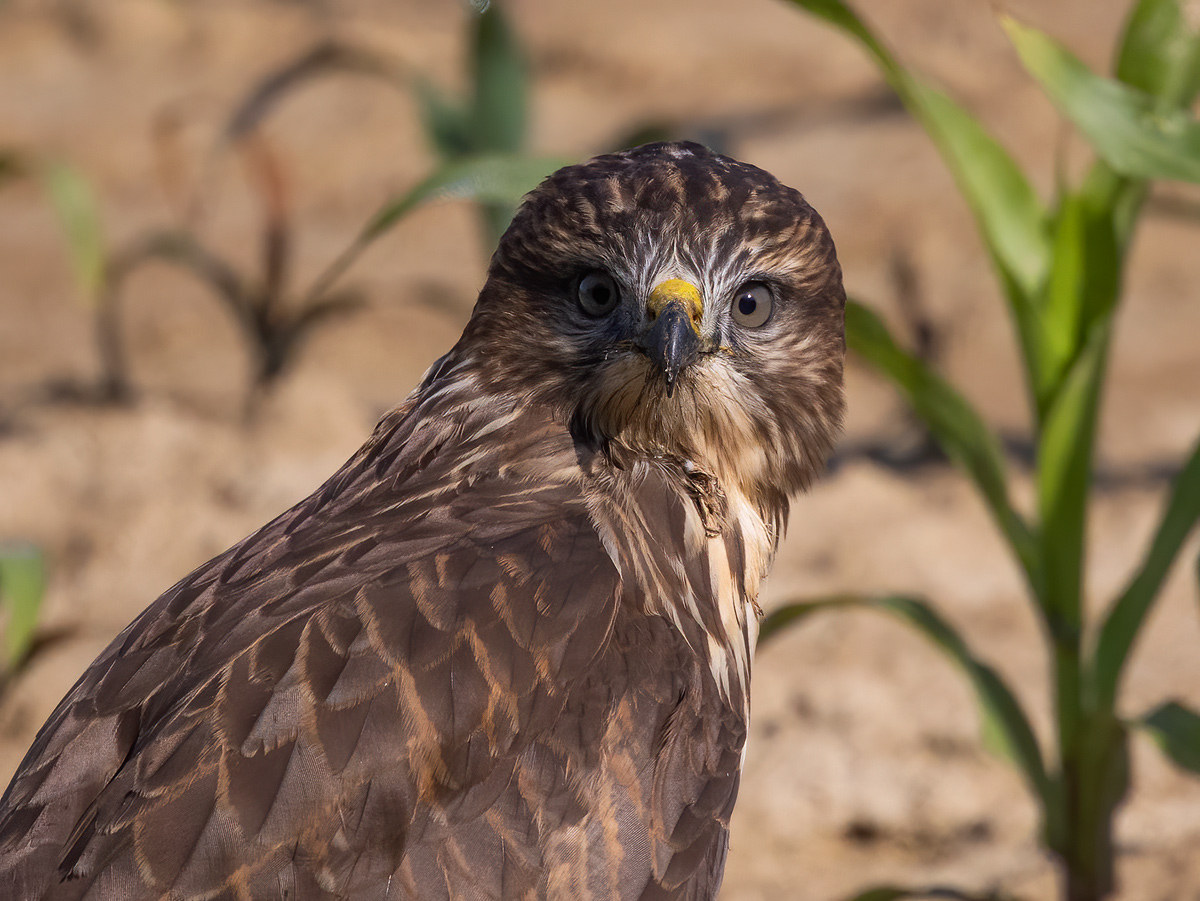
(865, 763)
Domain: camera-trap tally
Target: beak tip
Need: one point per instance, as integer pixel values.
(671, 343)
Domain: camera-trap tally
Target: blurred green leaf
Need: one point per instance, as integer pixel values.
(1062, 302)
(73, 201)
(446, 122)
(1084, 281)
(1127, 127)
(499, 106)
(1176, 730)
(489, 178)
(500, 102)
(775, 621)
(1005, 724)
(1124, 620)
(1112, 202)
(22, 586)
(952, 421)
(496, 178)
(1160, 53)
(1063, 475)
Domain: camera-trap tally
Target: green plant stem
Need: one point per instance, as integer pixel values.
(1088, 751)
(1095, 779)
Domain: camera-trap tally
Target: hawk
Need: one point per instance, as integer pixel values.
(504, 652)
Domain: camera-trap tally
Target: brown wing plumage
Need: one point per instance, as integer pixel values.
(402, 684)
(359, 659)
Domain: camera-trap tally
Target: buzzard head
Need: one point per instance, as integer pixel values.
(673, 303)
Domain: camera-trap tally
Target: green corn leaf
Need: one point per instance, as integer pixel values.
(1176, 729)
(493, 178)
(489, 179)
(22, 585)
(952, 421)
(1006, 728)
(501, 99)
(1160, 53)
(1006, 208)
(1127, 614)
(446, 123)
(1085, 276)
(1127, 127)
(773, 623)
(1064, 474)
(1113, 202)
(1062, 303)
(77, 211)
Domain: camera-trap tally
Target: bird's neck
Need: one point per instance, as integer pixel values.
(697, 552)
(691, 547)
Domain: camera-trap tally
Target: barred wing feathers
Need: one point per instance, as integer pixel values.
(423, 681)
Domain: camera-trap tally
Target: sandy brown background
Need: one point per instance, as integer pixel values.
(864, 764)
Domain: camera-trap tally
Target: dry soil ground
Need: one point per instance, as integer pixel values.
(864, 764)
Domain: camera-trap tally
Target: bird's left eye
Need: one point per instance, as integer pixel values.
(598, 294)
(752, 305)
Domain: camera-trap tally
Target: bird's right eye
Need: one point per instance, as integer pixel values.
(598, 294)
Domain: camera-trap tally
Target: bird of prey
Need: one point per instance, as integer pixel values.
(504, 652)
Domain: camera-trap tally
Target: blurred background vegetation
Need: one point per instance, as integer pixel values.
(235, 232)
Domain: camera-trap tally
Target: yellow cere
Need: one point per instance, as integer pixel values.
(676, 290)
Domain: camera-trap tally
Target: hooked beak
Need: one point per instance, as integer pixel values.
(672, 340)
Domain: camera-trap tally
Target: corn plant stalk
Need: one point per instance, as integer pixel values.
(1060, 268)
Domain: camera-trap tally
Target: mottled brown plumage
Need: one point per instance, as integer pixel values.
(504, 652)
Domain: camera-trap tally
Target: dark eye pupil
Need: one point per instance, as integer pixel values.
(747, 304)
(601, 295)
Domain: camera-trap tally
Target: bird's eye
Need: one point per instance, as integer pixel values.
(598, 294)
(752, 305)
